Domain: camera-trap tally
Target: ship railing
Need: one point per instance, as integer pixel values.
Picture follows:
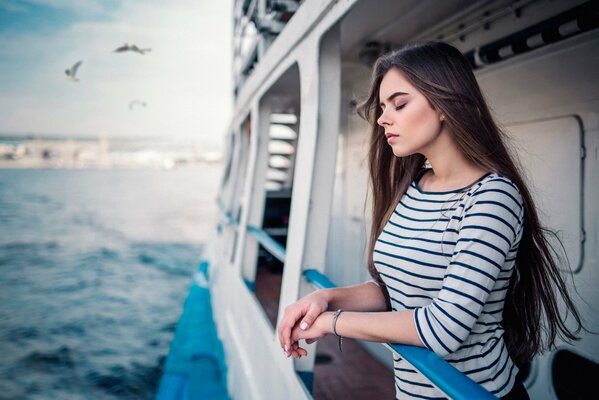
(261, 235)
(269, 244)
(445, 377)
(226, 218)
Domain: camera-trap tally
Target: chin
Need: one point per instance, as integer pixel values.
(401, 153)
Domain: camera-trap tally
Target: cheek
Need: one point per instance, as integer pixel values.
(425, 123)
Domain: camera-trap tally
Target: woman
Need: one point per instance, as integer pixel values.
(459, 261)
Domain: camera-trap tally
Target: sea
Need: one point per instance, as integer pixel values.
(94, 268)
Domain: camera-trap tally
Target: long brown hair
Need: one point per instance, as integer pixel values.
(444, 76)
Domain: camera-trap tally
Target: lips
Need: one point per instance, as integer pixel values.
(390, 135)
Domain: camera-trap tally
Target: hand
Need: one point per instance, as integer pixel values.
(307, 309)
(322, 326)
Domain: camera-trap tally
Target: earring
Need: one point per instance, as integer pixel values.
(442, 117)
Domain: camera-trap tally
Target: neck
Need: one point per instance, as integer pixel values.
(448, 163)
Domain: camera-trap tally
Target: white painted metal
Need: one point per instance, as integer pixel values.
(314, 173)
(556, 90)
(309, 183)
(558, 153)
(254, 191)
(312, 19)
(231, 192)
(256, 368)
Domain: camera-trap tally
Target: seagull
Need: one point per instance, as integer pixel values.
(138, 50)
(71, 72)
(134, 102)
(132, 47)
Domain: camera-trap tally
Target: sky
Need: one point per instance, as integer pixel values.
(185, 80)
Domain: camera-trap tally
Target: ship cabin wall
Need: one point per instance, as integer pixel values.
(546, 102)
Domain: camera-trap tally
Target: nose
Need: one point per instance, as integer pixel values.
(383, 120)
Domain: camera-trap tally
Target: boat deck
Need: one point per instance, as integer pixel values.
(351, 374)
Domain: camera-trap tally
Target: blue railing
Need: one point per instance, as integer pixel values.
(226, 215)
(227, 218)
(271, 245)
(443, 375)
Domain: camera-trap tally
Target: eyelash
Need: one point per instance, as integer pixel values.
(396, 108)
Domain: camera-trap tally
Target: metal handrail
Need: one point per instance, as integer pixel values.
(271, 245)
(226, 215)
(443, 375)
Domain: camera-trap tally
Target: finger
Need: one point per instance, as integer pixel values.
(292, 352)
(295, 348)
(282, 343)
(294, 335)
(280, 334)
(284, 337)
(299, 352)
(287, 328)
(302, 352)
(308, 320)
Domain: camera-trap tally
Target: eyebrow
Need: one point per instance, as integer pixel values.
(394, 95)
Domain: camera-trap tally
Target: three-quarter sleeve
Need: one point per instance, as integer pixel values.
(489, 233)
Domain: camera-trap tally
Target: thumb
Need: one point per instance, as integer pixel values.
(309, 318)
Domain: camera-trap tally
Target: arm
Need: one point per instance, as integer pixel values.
(366, 296)
(490, 230)
(383, 327)
(362, 297)
(481, 266)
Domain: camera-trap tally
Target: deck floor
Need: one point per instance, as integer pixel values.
(351, 374)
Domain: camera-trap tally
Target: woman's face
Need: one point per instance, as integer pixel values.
(411, 124)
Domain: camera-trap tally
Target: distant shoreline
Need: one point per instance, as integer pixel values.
(101, 153)
(17, 165)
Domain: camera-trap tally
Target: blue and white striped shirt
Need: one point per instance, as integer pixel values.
(449, 256)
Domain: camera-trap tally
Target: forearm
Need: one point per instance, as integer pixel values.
(366, 296)
(301, 315)
(384, 327)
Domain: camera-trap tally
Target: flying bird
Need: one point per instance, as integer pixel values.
(71, 72)
(136, 102)
(132, 47)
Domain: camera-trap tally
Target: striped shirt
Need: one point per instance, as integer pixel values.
(449, 257)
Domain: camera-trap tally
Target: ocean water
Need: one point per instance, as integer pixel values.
(94, 269)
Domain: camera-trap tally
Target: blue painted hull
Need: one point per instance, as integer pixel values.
(195, 367)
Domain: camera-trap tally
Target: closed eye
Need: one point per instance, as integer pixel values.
(400, 107)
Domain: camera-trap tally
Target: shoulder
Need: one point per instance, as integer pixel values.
(495, 188)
